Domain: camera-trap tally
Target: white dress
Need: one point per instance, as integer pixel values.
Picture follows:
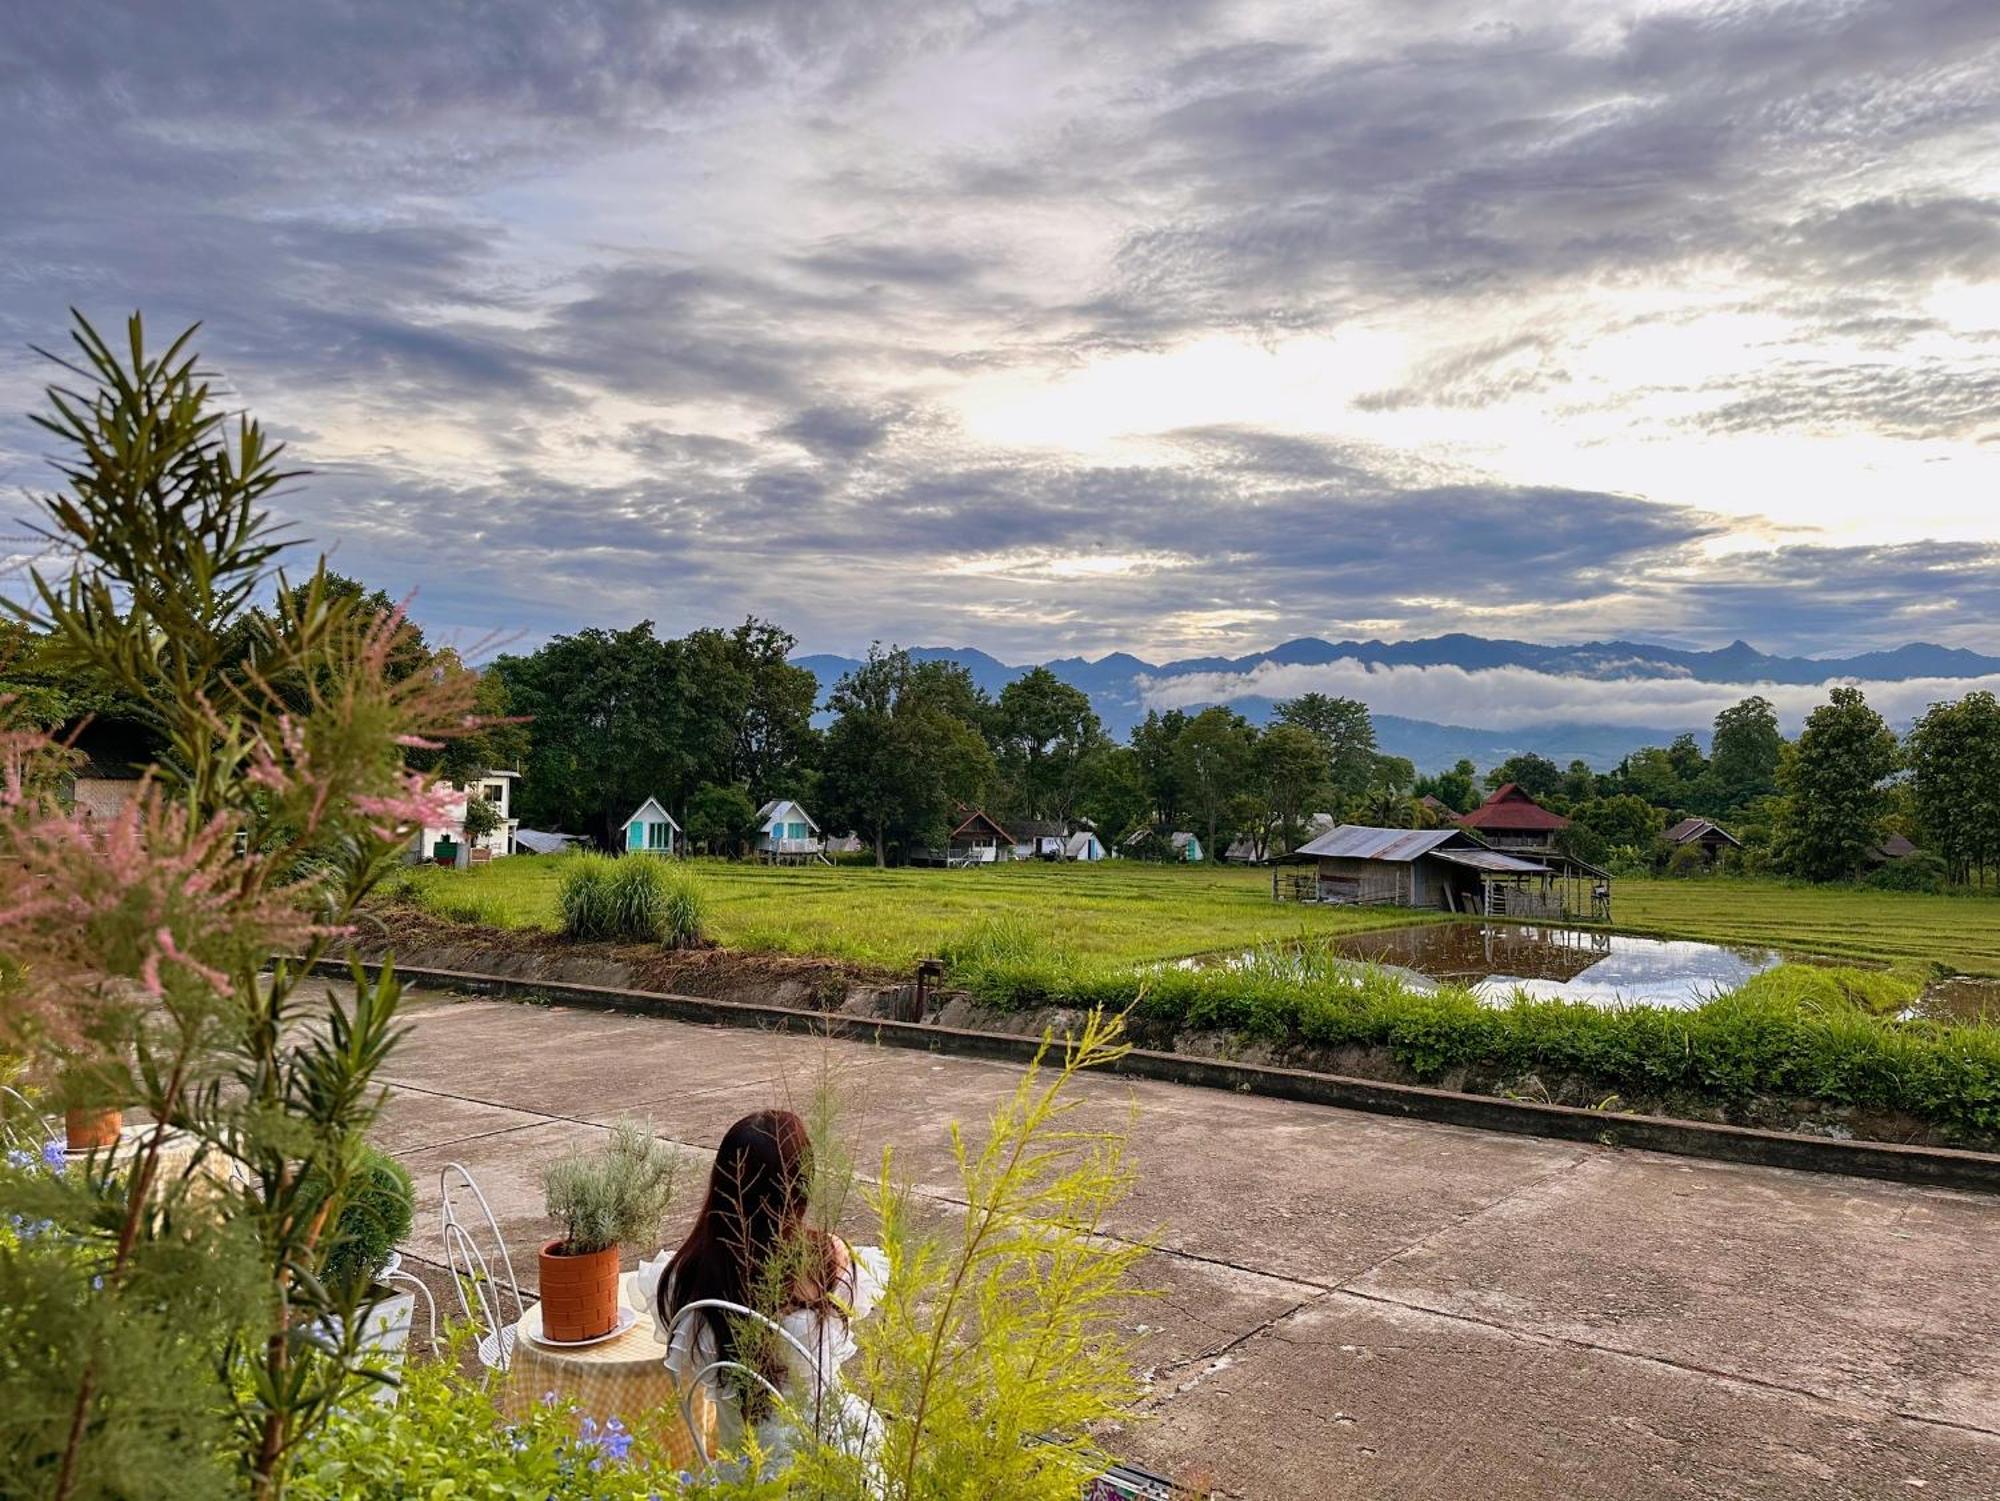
(813, 1388)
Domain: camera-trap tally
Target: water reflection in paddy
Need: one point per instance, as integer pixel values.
(1494, 960)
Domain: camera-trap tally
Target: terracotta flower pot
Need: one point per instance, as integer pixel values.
(89, 1130)
(579, 1293)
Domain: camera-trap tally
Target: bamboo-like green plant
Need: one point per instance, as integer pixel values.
(997, 1353)
(148, 950)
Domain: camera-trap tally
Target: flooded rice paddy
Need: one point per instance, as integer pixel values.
(1495, 960)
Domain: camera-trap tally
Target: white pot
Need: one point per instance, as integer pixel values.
(385, 1329)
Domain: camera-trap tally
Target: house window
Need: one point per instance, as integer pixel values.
(659, 836)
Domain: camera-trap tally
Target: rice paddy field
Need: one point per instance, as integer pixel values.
(1126, 912)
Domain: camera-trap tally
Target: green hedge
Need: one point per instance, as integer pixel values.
(1795, 1032)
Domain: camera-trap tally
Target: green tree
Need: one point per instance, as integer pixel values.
(1457, 789)
(1155, 743)
(1534, 774)
(1386, 801)
(1291, 774)
(1622, 820)
(1346, 730)
(1579, 783)
(1954, 791)
(1046, 734)
(1743, 755)
(903, 750)
(1114, 796)
(718, 817)
(1835, 793)
(1684, 755)
(1212, 764)
(606, 709)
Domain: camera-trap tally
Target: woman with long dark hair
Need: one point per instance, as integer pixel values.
(751, 1245)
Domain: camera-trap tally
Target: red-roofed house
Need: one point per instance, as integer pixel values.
(1512, 820)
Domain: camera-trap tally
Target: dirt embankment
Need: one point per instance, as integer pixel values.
(421, 941)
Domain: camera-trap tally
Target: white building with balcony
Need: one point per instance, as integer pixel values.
(787, 835)
(494, 787)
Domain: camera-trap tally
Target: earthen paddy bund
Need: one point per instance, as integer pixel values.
(1356, 1306)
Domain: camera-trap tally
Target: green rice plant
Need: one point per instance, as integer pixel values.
(1807, 1033)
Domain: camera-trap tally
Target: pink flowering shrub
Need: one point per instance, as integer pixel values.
(158, 958)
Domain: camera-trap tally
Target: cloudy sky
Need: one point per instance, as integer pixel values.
(1064, 328)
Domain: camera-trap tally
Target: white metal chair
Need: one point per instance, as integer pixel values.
(694, 1381)
(393, 1273)
(472, 1275)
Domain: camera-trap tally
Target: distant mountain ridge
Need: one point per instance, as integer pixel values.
(1114, 683)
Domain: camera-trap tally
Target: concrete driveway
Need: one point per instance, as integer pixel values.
(1354, 1306)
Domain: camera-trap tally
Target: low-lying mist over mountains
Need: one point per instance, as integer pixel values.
(1439, 699)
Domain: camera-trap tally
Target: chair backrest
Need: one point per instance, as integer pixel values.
(483, 1298)
(691, 1382)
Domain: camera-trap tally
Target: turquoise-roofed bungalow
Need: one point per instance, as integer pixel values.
(652, 831)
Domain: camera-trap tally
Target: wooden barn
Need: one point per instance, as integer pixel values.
(1445, 868)
(1711, 837)
(1512, 820)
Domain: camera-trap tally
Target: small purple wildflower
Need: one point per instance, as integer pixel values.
(53, 1156)
(616, 1441)
(20, 1159)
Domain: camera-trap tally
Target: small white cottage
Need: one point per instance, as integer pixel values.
(786, 834)
(1083, 845)
(652, 831)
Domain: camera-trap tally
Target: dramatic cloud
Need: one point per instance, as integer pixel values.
(1181, 328)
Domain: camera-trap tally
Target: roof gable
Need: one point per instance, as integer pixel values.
(1690, 829)
(650, 811)
(1509, 808)
(783, 807)
(978, 820)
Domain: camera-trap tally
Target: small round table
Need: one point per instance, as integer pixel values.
(624, 1377)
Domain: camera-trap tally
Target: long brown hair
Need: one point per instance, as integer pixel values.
(750, 1243)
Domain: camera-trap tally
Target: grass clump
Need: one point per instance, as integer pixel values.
(634, 899)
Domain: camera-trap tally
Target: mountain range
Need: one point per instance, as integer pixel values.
(1116, 684)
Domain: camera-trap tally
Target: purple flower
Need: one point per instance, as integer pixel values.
(53, 1156)
(20, 1159)
(616, 1441)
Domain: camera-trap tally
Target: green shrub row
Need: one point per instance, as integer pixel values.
(630, 899)
(1794, 1032)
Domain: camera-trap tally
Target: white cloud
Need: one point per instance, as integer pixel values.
(1516, 697)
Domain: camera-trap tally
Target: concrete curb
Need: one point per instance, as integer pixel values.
(1942, 1167)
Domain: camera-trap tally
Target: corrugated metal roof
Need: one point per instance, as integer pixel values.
(1353, 841)
(1493, 860)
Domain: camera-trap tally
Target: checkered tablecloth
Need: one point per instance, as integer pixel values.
(624, 1378)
